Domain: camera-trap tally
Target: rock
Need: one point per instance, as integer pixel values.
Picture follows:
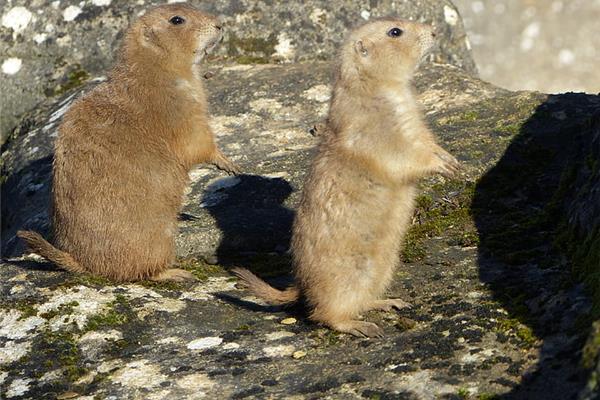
(204, 343)
(299, 354)
(515, 35)
(49, 47)
(493, 313)
(484, 262)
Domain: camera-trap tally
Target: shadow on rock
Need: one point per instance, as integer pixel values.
(255, 225)
(28, 191)
(29, 265)
(527, 210)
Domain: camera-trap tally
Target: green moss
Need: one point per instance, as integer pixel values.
(463, 393)
(110, 318)
(326, 337)
(446, 211)
(508, 128)
(86, 280)
(75, 78)
(27, 308)
(245, 59)
(60, 350)
(114, 316)
(488, 396)
(63, 309)
(468, 116)
(591, 350)
(515, 327)
(584, 251)
(161, 285)
(200, 268)
(252, 46)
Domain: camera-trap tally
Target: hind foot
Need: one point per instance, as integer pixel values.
(358, 328)
(174, 275)
(389, 304)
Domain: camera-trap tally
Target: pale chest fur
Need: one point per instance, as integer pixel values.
(395, 132)
(192, 91)
(195, 137)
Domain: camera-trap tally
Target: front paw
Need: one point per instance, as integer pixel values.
(229, 167)
(318, 129)
(225, 164)
(446, 163)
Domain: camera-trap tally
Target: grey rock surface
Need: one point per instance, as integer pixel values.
(48, 47)
(550, 46)
(495, 309)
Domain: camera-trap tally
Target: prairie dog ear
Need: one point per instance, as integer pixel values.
(361, 48)
(149, 38)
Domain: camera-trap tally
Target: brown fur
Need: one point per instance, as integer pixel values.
(124, 150)
(358, 198)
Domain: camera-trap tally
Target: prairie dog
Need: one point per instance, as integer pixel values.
(124, 151)
(357, 200)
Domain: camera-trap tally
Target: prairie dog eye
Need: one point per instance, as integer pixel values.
(395, 32)
(177, 20)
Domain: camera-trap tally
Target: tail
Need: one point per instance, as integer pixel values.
(39, 245)
(263, 290)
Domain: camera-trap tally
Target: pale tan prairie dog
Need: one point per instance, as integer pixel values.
(357, 201)
(124, 151)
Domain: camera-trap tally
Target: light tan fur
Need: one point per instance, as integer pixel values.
(124, 151)
(358, 198)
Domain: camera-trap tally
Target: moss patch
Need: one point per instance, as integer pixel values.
(200, 268)
(76, 77)
(445, 211)
(326, 337)
(162, 285)
(245, 59)
(591, 351)
(512, 326)
(251, 46)
(27, 308)
(86, 280)
(63, 309)
(468, 116)
(117, 314)
(508, 128)
(60, 350)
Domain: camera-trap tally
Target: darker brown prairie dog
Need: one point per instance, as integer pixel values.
(124, 150)
(357, 200)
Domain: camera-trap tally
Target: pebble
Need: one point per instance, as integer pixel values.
(279, 335)
(299, 354)
(204, 343)
(289, 321)
(67, 395)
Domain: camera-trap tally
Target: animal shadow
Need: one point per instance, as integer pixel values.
(256, 226)
(521, 208)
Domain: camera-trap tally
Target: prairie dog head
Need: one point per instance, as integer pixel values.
(176, 34)
(386, 50)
